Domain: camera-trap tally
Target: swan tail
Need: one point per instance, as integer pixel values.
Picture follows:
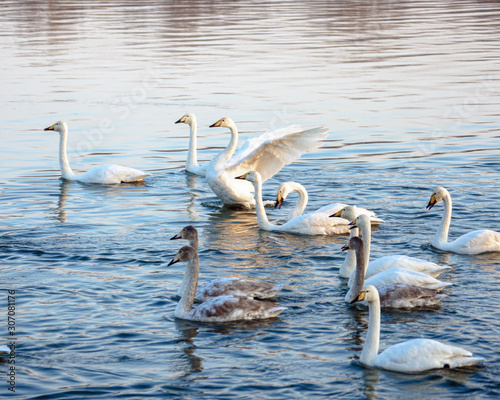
(134, 178)
(437, 271)
(463, 361)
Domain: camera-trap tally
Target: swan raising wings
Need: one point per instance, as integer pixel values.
(266, 154)
(104, 174)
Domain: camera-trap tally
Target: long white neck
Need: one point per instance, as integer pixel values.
(349, 264)
(66, 171)
(303, 199)
(262, 219)
(370, 349)
(189, 285)
(366, 234)
(441, 236)
(192, 160)
(223, 157)
(359, 274)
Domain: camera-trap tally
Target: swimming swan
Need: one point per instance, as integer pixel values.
(105, 174)
(306, 224)
(216, 309)
(225, 286)
(335, 208)
(382, 264)
(192, 160)
(475, 242)
(266, 154)
(396, 295)
(412, 356)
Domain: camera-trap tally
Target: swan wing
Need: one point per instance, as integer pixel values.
(401, 295)
(423, 354)
(275, 152)
(411, 263)
(475, 242)
(237, 287)
(111, 174)
(233, 308)
(315, 224)
(402, 275)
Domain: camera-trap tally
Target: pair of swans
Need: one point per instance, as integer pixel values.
(475, 242)
(266, 154)
(412, 356)
(216, 309)
(315, 223)
(394, 295)
(224, 286)
(103, 174)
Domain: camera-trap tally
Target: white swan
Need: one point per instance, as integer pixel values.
(104, 174)
(415, 266)
(225, 286)
(475, 242)
(307, 224)
(335, 208)
(266, 154)
(192, 159)
(412, 356)
(396, 295)
(216, 309)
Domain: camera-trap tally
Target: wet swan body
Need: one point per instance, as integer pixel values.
(104, 174)
(412, 356)
(475, 242)
(395, 295)
(216, 309)
(225, 286)
(266, 154)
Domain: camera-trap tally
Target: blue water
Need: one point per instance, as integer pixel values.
(410, 92)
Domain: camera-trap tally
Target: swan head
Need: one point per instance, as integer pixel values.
(361, 221)
(59, 126)
(185, 253)
(225, 122)
(369, 294)
(188, 232)
(355, 243)
(186, 119)
(283, 191)
(252, 176)
(439, 194)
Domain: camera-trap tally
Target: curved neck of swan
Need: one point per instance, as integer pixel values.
(370, 349)
(303, 199)
(192, 161)
(441, 236)
(224, 156)
(66, 171)
(262, 219)
(189, 284)
(349, 264)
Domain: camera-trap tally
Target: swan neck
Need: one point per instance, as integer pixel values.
(441, 236)
(224, 156)
(66, 171)
(366, 233)
(359, 277)
(192, 161)
(349, 264)
(302, 203)
(189, 285)
(262, 219)
(370, 349)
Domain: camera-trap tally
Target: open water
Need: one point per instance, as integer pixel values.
(411, 93)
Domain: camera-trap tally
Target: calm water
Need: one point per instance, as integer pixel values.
(411, 93)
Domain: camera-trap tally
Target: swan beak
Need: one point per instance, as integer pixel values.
(50, 128)
(181, 120)
(353, 224)
(345, 248)
(174, 260)
(361, 297)
(244, 176)
(176, 237)
(279, 201)
(337, 214)
(432, 201)
(216, 124)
